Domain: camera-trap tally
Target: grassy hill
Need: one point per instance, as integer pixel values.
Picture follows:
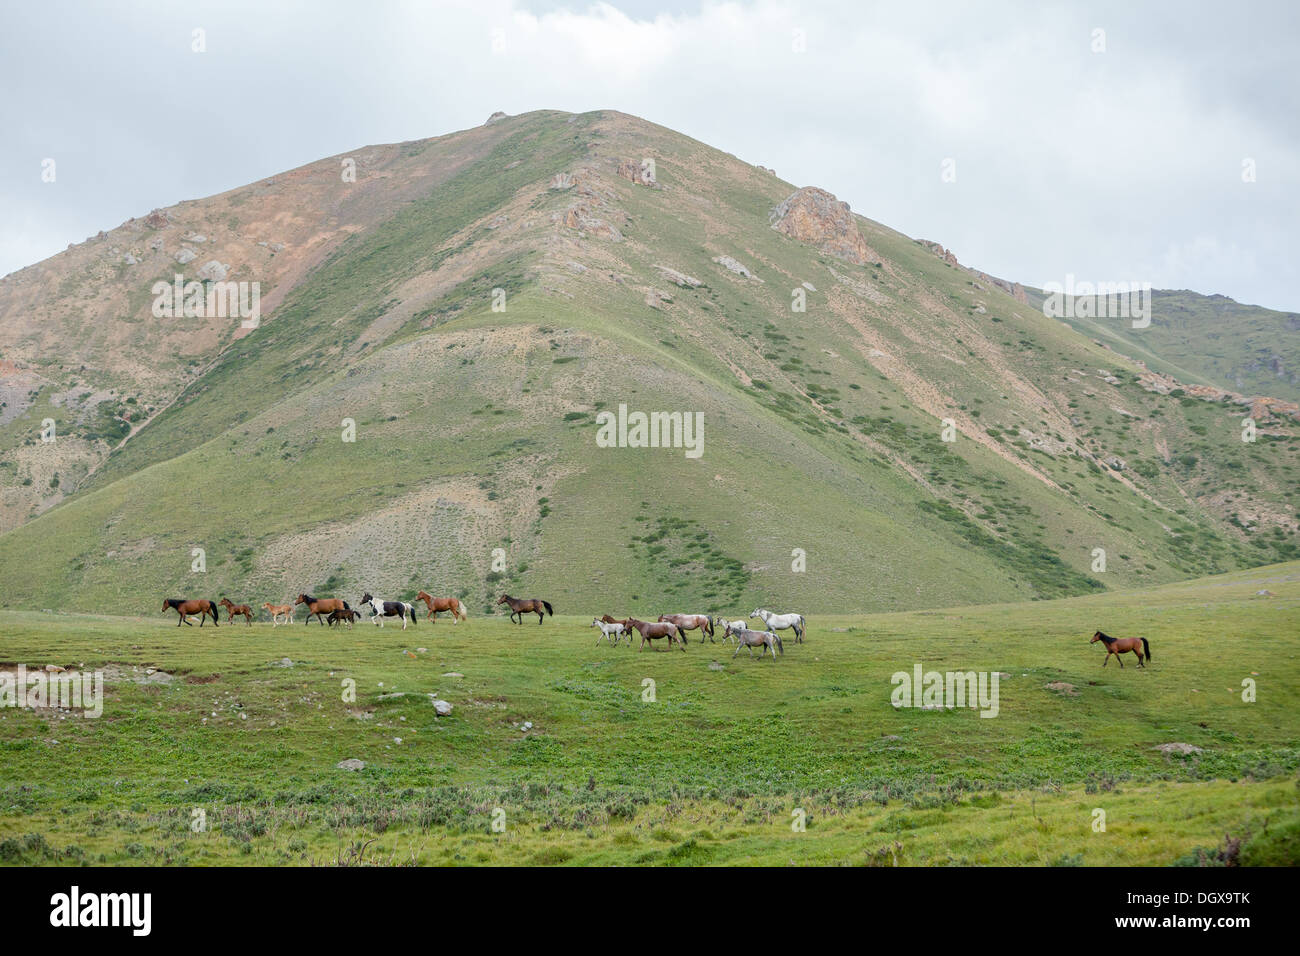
(242, 728)
(1209, 340)
(476, 426)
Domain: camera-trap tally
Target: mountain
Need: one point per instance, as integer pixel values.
(475, 303)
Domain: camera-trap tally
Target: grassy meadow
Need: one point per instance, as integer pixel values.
(221, 746)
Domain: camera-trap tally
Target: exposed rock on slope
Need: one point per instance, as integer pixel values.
(814, 216)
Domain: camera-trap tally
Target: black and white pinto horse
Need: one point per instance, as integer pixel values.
(382, 609)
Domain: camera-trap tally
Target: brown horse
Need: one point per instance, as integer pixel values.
(276, 610)
(348, 615)
(1121, 645)
(442, 604)
(319, 607)
(689, 622)
(232, 609)
(651, 632)
(522, 606)
(202, 607)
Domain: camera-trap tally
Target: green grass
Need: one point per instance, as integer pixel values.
(710, 772)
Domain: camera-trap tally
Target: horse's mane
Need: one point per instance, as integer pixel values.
(172, 602)
(308, 599)
(1106, 637)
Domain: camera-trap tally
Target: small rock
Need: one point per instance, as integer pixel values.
(442, 707)
(716, 666)
(352, 763)
(1178, 748)
(186, 255)
(452, 674)
(214, 271)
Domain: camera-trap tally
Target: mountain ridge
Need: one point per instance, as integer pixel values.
(593, 259)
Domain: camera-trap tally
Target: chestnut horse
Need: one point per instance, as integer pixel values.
(651, 632)
(202, 607)
(689, 622)
(232, 609)
(278, 609)
(1121, 645)
(322, 606)
(522, 606)
(442, 604)
(349, 615)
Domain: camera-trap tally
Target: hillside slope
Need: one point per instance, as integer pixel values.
(474, 301)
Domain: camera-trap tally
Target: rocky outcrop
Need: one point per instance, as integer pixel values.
(816, 217)
(157, 220)
(944, 254)
(643, 173)
(1262, 407)
(496, 117)
(732, 265)
(562, 181)
(581, 217)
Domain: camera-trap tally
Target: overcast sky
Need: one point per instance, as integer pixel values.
(1115, 156)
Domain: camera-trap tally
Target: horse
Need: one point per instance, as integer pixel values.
(522, 606)
(232, 609)
(383, 609)
(730, 627)
(202, 607)
(348, 615)
(278, 609)
(651, 632)
(322, 606)
(626, 622)
(608, 628)
(1120, 645)
(689, 622)
(752, 639)
(779, 622)
(442, 604)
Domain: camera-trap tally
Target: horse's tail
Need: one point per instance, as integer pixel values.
(411, 608)
(708, 623)
(780, 645)
(460, 609)
(803, 628)
(547, 605)
(347, 606)
(1146, 648)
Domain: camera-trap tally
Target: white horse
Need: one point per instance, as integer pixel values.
(779, 622)
(768, 640)
(382, 609)
(611, 632)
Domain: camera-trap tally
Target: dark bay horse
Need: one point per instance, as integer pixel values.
(1121, 645)
(202, 607)
(522, 606)
(442, 604)
(349, 615)
(232, 609)
(652, 632)
(319, 607)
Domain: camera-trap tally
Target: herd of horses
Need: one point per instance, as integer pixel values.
(672, 627)
(329, 611)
